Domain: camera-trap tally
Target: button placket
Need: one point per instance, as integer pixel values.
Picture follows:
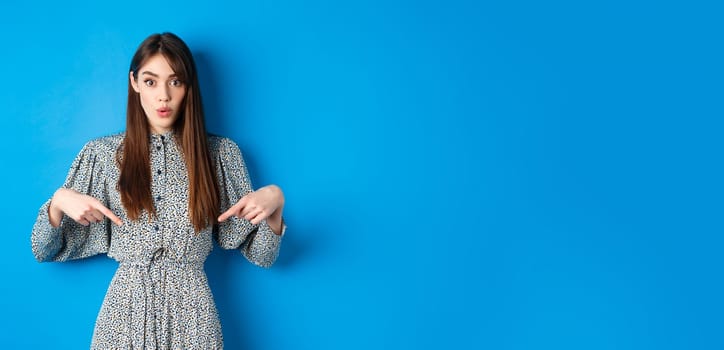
(160, 168)
(158, 160)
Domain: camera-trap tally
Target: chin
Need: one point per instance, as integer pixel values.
(162, 125)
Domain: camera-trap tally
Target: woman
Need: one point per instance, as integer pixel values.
(153, 198)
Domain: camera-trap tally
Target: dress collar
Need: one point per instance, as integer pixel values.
(168, 135)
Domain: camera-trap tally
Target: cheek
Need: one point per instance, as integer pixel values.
(179, 96)
(144, 97)
(181, 93)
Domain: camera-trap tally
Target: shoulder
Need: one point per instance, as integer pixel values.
(106, 145)
(107, 142)
(222, 146)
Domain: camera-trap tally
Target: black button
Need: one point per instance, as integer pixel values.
(155, 227)
(158, 198)
(158, 148)
(158, 172)
(162, 138)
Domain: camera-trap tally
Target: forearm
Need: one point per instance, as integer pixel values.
(55, 214)
(275, 221)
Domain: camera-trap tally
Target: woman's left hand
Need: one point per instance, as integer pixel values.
(257, 205)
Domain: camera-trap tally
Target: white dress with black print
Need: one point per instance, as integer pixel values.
(159, 297)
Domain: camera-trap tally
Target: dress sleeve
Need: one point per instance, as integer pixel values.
(71, 240)
(258, 243)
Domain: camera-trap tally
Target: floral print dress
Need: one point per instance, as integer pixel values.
(159, 297)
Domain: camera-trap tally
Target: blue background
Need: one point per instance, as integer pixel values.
(492, 176)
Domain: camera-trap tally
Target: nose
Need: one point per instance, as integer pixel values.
(164, 96)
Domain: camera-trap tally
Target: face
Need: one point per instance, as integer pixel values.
(161, 93)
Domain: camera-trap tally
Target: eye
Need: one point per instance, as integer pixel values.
(176, 83)
(149, 82)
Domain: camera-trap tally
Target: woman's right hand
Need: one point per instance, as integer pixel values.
(82, 208)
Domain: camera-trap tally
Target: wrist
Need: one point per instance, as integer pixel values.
(275, 223)
(276, 216)
(55, 214)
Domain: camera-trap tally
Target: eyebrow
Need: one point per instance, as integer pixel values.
(156, 75)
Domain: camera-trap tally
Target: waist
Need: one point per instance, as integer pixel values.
(162, 262)
(160, 258)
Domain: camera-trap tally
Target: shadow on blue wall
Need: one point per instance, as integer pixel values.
(237, 311)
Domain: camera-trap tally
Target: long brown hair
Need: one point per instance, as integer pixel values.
(134, 183)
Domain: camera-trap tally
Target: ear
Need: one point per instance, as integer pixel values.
(134, 83)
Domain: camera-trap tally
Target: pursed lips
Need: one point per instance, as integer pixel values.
(164, 111)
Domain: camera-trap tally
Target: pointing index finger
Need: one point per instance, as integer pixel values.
(236, 208)
(227, 214)
(108, 213)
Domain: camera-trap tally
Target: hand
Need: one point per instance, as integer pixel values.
(258, 205)
(82, 208)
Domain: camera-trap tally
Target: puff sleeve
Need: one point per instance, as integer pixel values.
(258, 243)
(71, 240)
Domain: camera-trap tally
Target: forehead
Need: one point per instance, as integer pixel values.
(157, 64)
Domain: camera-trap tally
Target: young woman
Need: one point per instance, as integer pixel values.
(154, 198)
